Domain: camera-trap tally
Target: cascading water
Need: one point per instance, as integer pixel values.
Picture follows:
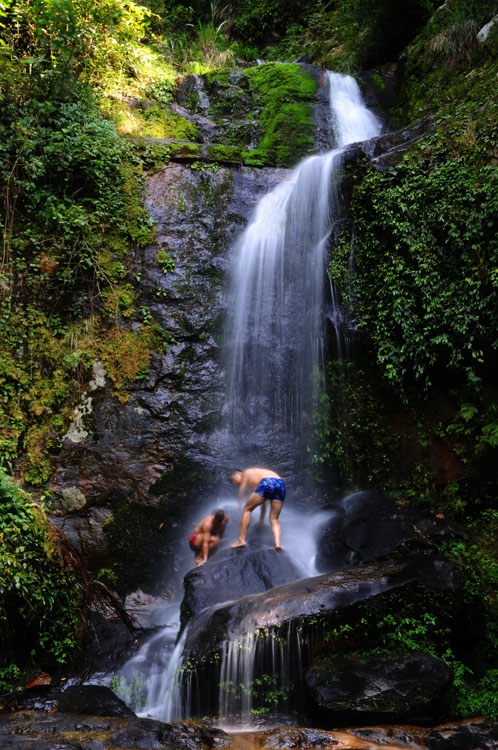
(277, 350)
(276, 354)
(277, 336)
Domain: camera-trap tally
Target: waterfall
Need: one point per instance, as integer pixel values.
(276, 354)
(277, 337)
(260, 673)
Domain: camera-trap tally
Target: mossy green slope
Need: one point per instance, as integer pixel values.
(285, 92)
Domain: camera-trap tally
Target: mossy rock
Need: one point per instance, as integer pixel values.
(285, 91)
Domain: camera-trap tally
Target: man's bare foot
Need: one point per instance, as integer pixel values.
(279, 548)
(238, 543)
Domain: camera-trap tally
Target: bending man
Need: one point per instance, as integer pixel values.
(266, 485)
(206, 536)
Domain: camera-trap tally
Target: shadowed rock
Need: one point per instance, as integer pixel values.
(94, 700)
(395, 684)
(234, 573)
(370, 526)
(43, 731)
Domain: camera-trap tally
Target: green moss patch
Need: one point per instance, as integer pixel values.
(149, 120)
(284, 91)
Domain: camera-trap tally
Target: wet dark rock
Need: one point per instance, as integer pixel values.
(380, 89)
(285, 738)
(369, 526)
(42, 731)
(391, 147)
(53, 732)
(395, 684)
(104, 646)
(462, 735)
(95, 700)
(466, 735)
(478, 733)
(302, 599)
(233, 573)
(323, 136)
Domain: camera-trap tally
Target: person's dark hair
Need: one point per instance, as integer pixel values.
(219, 515)
(236, 471)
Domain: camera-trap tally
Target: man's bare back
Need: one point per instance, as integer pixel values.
(250, 479)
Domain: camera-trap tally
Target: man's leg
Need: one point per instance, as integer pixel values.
(252, 502)
(262, 512)
(209, 542)
(276, 507)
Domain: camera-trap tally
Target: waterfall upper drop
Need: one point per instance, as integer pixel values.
(277, 338)
(352, 121)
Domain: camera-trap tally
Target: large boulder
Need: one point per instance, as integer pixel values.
(369, 526)
(461, 735)
(95, 700)
(235, 573)
(312, 597)
(404, 684)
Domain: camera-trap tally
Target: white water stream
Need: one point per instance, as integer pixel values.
(277, 350)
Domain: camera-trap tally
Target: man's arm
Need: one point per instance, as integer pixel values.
(242, 490)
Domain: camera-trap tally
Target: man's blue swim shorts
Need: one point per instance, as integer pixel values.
(271, 488)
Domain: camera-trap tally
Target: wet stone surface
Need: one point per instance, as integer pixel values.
(41, 731)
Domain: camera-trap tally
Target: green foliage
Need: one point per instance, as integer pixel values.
(352, 425)
(265, 692)
(39, 602)
(437, 449)
(65, 196)
(374, 32)
(165, 261)
(260, 22)
(396, 621)
(70, 37)
(285, 90)
(478, 699)
(131, 691)
(477, 559)
(445, 65)
(72, 206)
(425, 253)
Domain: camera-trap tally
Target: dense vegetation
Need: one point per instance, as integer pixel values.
(417, 415)
(39, 600)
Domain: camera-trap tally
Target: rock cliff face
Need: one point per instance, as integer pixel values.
(158, 449)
